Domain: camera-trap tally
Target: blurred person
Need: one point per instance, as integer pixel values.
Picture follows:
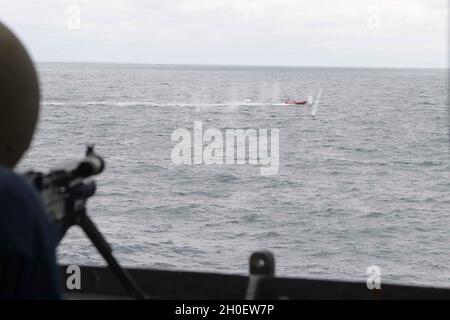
(28, 241)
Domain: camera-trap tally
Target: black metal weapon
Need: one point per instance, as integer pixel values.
(65, 191)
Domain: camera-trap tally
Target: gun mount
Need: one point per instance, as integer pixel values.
(64, 191)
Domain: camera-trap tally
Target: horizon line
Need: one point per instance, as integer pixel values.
(240, 65)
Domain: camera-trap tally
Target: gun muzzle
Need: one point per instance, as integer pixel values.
(89, 166)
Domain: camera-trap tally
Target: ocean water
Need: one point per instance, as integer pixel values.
(364, 182)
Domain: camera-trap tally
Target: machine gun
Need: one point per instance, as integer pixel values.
(64, 192)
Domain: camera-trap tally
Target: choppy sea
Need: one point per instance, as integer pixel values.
(366, 181)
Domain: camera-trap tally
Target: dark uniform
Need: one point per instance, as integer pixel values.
(28, 242)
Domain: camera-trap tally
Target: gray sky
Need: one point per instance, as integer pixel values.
(392, 33)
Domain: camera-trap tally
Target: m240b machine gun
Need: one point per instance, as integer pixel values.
(64, 191)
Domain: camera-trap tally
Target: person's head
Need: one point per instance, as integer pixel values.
(19, 99)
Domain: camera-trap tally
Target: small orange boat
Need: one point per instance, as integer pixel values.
(295, 102)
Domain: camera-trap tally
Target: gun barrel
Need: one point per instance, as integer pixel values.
(89, 166)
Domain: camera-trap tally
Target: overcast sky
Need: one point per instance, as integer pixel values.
(392, 33)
